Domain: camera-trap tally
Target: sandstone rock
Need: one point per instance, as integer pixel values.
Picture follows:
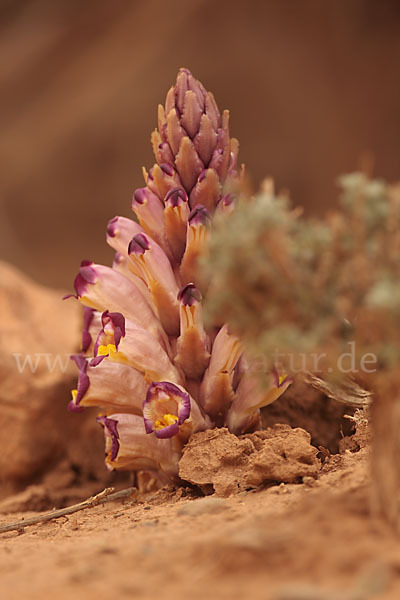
(38, 333)
(217, 460)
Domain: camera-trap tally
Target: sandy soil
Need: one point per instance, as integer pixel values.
(309, 541)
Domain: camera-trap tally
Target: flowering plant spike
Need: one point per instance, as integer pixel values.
(147, 360)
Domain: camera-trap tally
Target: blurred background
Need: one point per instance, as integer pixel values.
(313, 88)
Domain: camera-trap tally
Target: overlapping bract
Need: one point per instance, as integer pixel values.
(147, 360)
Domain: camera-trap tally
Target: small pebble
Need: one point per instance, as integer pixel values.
(150, 523)
(308, 481)
(306, 592)
(202, 506)
(107, 550)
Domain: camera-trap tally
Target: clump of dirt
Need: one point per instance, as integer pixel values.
(302, 406)
(362, 437)
(218, 461)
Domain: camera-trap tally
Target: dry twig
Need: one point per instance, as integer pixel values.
(106, 495)
(349, 392)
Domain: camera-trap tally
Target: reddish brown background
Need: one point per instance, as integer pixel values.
(312, 86)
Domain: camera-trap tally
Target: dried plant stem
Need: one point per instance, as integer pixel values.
(106, 495)
(349, 392)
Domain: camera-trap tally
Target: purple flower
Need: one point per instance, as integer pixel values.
(165, 407)
(122, 341)
(111, 333)
(192, 349)
(280, 378)
(196, 244)
(128, 446)
(250, 397)
(112, 386)
(176, 214)
(216, 391)
(153, 266)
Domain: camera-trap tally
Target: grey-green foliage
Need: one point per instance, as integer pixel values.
(284, 281)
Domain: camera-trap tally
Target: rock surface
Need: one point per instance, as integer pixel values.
(38, 333)
(217, 460)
